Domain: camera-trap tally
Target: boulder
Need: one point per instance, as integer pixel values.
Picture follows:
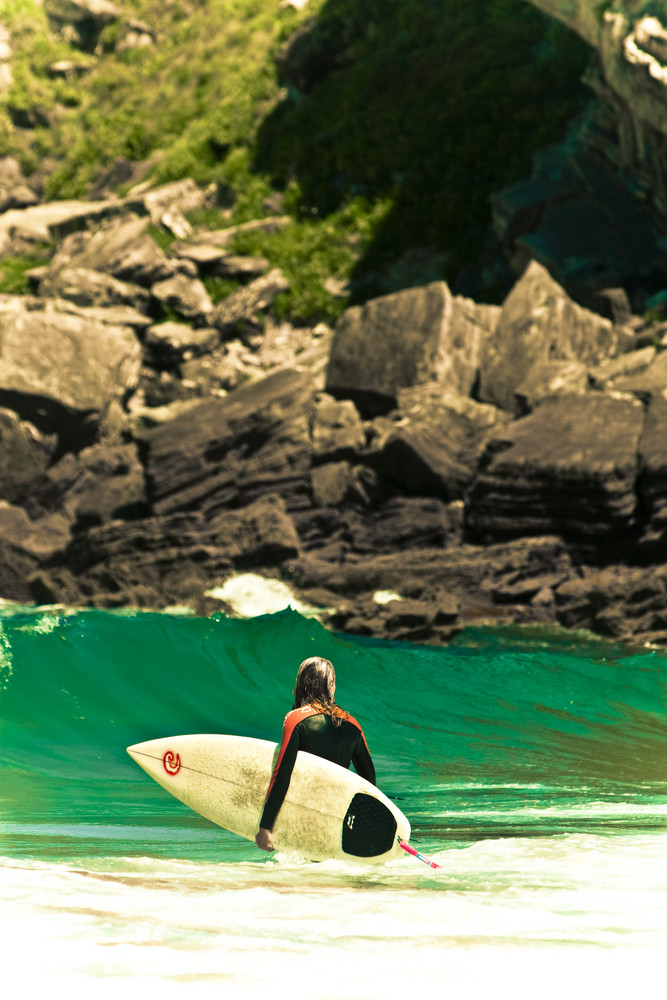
(425, 454)
(336, 429)
(652, 485)
(418, 335)
(239, 310)
(86, 19)
(169, 344)
(567, 469)
(123, 248)
(187, 297)
(86, 287)
(14, 190)
(628, 603)
(56, 368)
(226, 452)
(24, 456)
(540, 324)
(23, 544)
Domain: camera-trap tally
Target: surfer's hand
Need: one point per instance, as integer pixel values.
(264, 839)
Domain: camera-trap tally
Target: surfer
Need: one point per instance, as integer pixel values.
(319, 726)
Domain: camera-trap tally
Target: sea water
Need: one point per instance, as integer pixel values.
(531, 763)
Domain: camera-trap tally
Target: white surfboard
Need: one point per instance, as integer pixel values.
(328, 812)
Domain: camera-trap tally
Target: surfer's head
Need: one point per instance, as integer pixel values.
(316, 684)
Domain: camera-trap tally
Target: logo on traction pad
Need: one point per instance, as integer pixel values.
(172, 762)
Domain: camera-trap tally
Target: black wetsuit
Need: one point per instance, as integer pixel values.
(308, 729)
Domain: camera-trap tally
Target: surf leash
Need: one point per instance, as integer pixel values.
(416, 854)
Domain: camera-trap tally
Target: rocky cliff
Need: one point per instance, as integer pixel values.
(595, 210)
(429, 462)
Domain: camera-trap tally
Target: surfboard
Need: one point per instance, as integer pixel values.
(328, 812)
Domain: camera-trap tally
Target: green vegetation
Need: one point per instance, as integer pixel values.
(14, 278)
(414, 113)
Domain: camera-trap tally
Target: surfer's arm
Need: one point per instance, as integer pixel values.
(280, 780)
(361, 759)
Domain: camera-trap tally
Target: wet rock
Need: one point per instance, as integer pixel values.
(182, 555)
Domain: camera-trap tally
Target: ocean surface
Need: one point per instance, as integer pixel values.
(531, 763)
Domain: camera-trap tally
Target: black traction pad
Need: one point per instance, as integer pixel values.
(369, 828)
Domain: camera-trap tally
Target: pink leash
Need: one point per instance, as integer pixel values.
(416, 854)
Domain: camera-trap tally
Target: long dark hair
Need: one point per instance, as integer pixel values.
(315, 685)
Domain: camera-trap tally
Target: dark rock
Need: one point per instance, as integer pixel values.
(87, 18)
(427, 454)
(122, 247)
(652, 485)
(569, 469)
(166, 559)
(227, 451)
(24, 456)
(628, 603)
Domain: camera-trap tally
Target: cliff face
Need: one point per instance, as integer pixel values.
(630, 38)
(595, 208)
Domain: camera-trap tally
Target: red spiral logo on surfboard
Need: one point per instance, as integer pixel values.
(171, 762)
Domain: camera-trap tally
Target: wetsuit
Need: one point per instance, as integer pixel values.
(308, 729)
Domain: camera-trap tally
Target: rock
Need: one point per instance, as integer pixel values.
(652, 485)
(216, 261)
(92, 288)
(550, 378)
(426, 450)
(53, 220)
(330, 483)
(539, 324)
(604, 375)
(123, 248)
(226, 452)
(399, 340)
(175, 200)
(187, 297)
(135, 34)
(107, 315)
(101, 483)
(14, 190)
(169, 344)
(628, 603)
(240, 309)
(23, 544)
(223, 237)
(59, 370)
(182, 555)
(24, 456)
(336, 430)
(85, 19)
(646, 382)
(569, 469)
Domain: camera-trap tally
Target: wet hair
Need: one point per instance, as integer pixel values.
(315, 685)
